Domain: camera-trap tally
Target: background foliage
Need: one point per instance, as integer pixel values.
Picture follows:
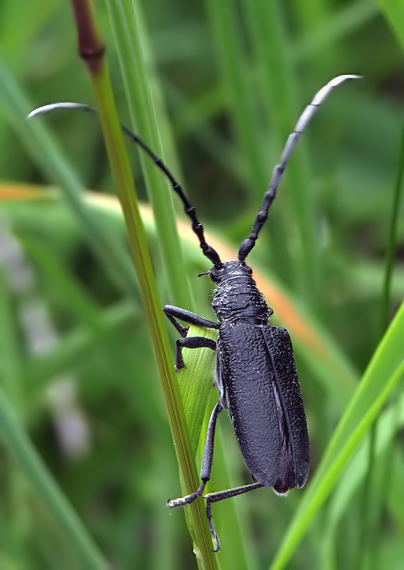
(227, 81)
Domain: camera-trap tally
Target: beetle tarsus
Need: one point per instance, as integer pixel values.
(188, 499)
(212, 529)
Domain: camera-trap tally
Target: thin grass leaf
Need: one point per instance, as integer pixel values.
(75, 345)
(89, 42)
(312, 13)
(393, 12)
(44, 150)
(369, 539)
(134, 52)
(10, 369)
(334, 29)
(237, 84)
(381, 377)
(44, 485)
(390, 422)
(392, 240)
(195, 396)
(278, 93)
(129, 34)
(81, 305)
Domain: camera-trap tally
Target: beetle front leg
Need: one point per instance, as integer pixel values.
(174, 313)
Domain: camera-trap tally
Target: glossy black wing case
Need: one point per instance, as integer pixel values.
(281, 351)
(265, 403)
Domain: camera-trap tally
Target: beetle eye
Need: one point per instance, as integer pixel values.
(213, 276)
(215, 272)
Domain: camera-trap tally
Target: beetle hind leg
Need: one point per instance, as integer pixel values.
(206, 469)
(221, 496)
(212, 529)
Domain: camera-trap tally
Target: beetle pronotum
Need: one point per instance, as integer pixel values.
(255, 369)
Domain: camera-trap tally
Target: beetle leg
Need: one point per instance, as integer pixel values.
(212, 527)
(220, 496)
(174, 313)
(191, 342)
(229, 493)
(206, 466)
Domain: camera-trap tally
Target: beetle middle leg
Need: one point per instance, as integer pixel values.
(191, 342)
(206, 467)
(206, 470)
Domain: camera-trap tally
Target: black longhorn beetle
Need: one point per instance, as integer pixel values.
(255, 369)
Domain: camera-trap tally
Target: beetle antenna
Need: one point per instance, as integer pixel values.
(190, 211)
(269, 196)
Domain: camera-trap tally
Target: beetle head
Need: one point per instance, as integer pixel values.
(229, 270)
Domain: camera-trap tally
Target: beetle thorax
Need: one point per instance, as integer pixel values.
(237, 297)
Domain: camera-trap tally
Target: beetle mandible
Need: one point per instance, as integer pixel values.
(255, 369)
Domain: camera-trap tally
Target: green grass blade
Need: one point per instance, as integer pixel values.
(238, 88)
(75, 345)
(44, 485)
(312, 13)
(382, 375)
(347, 20)
(349, 485)
(134, 54)
(369, 539)
(393, 12)
(44, 150)
(10, 369)
(282, 106)
(89, 42)
(195, 395)
(392, 240)
(129, 34)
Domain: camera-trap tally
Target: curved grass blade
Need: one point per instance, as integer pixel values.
(92, 53)
(381, 377)
(132, 46)
(44, 485)
(369, 538)
(390, 422)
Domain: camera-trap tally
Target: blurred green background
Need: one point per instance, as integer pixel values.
(228, 81)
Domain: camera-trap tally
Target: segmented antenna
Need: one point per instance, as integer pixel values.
(190, 211)
(269, 196)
